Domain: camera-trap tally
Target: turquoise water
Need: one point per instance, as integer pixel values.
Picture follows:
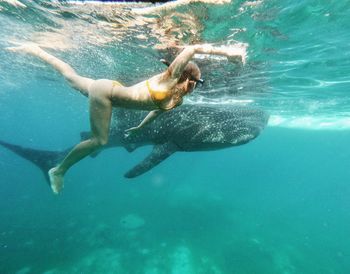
(279, 204)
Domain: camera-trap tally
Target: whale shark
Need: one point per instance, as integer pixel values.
(187, 128)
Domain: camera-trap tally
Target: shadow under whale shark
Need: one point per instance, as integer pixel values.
(186, 128)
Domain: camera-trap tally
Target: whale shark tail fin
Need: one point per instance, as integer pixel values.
(159, 153)
(43, 159)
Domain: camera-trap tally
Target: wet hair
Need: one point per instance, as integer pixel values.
(191, 72)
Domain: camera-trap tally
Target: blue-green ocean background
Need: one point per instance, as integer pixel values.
(279, 204)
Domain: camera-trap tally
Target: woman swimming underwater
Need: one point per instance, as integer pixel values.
(159, 93)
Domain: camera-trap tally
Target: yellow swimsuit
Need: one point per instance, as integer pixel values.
(116, 84)
(161, 98)
(164, 100)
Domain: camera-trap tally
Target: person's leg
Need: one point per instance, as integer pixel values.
(76, 81)
(100, 118)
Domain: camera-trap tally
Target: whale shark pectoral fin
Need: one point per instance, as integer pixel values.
(158, 154)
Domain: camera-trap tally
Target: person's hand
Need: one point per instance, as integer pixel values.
(236, 54)
(24, 48)
(130, 131)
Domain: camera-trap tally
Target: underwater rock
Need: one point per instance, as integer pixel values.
(177, 261)
(132, 221)
(106, 261)
(182, 261)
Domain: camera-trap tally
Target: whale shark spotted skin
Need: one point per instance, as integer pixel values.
(186, 128)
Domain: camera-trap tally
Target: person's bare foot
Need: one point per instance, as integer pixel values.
(56, 180)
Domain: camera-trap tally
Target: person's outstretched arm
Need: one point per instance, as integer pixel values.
(149, 118)
(171, 5)
(234, 54)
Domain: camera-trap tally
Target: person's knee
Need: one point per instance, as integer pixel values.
(99, 142)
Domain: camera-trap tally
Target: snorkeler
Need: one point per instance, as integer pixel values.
(159, 93)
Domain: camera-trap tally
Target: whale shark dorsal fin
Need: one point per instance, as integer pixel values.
(159, 153)
(84, 135)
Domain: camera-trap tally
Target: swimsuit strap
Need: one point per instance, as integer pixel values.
(116, 84)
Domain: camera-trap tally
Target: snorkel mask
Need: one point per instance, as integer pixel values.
(201, 81)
